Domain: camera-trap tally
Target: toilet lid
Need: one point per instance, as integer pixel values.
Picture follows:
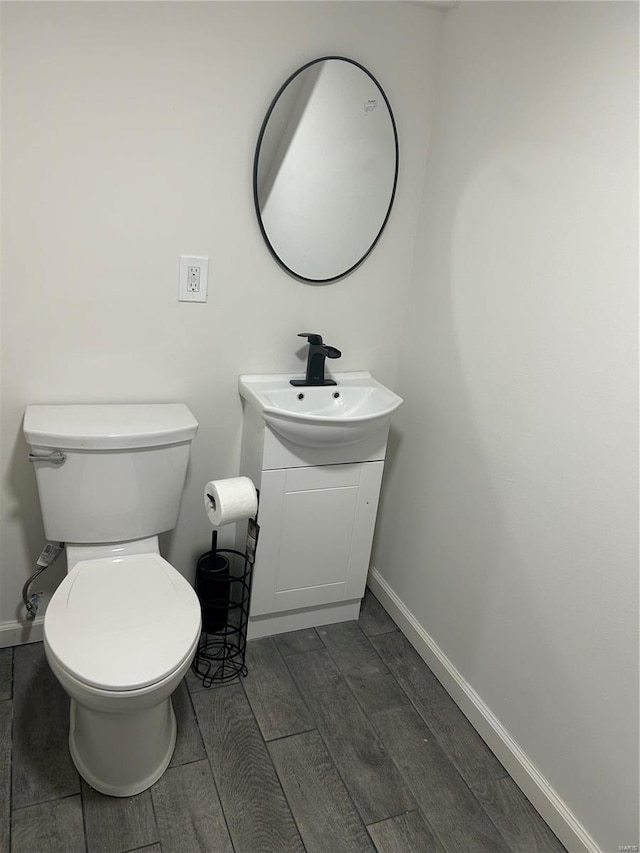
(122, 623)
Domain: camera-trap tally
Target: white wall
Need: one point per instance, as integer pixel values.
(128, 138)
(509, 523)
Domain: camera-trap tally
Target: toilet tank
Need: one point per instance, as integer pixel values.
(115, 473)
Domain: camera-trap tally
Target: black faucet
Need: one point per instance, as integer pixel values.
(315, 361)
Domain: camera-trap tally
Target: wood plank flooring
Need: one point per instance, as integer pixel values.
(340, 740)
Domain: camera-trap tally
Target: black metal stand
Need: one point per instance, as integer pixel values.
(223, 585)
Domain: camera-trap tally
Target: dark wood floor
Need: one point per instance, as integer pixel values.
(339, 739)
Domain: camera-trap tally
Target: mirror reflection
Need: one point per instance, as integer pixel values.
(325, 169)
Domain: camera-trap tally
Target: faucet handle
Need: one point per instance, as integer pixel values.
(312, 337)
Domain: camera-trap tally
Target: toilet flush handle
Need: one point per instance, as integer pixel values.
(56, 457)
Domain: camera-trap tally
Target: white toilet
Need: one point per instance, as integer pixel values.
(122, 628)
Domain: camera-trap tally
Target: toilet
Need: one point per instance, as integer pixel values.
(122, 628)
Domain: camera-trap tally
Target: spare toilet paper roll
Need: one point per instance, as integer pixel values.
(230, 500)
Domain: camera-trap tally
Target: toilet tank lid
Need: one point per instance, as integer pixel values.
(108, 427)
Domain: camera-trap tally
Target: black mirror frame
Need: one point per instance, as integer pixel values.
(255, 173)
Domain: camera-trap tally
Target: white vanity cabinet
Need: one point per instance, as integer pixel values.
(316, 533)
(317, 513)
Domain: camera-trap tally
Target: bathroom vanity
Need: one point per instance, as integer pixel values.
(316, 456)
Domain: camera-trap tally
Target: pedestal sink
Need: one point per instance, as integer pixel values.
(321, 416)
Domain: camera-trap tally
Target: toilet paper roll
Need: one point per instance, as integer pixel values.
(230, 500)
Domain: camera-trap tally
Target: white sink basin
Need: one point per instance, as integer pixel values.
(320, 416)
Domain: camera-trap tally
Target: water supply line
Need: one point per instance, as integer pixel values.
(49, 555)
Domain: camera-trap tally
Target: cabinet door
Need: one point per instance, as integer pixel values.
(316, 529)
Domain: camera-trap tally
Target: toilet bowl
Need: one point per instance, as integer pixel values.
(122, 628)
(139, 621)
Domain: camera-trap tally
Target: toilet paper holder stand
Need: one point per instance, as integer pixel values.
(223, 586)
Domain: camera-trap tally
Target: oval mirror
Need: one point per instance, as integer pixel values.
(325, 169)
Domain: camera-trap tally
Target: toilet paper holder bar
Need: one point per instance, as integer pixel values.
(223, 585)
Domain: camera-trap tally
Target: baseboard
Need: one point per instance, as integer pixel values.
(296, 620)
(18, 633)
(538, 791)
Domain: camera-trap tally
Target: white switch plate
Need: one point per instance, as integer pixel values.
(193, 279)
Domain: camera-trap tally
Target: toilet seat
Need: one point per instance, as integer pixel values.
(122, 624)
